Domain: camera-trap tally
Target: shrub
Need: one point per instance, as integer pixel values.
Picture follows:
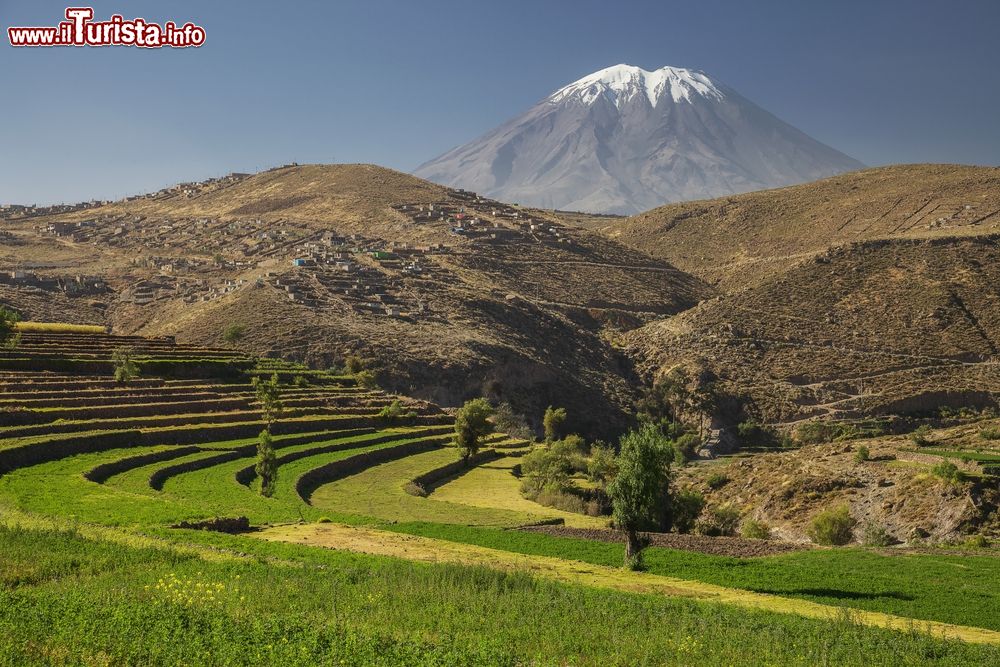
(977, 541)
(301, 381)
(832, 527)
(233, 333)
(990, 433)
(755, 530)
(124, 364)
(685, 507)
(353, 364)
(861, 454)
(395, 412)
(949, 472)
(875, 535)
(366, 379)
(752, 434)
(720, 521)
(685, 448)
(920, 436)
(717, 480)
(415, 489)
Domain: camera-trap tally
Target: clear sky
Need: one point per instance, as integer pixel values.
(397, 82)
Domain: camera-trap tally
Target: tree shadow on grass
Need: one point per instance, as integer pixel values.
(837, 594)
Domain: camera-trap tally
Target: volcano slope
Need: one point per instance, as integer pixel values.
(869, 293)
(447, 295)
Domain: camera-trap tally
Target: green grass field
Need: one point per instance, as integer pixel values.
(289, 605)
(92, 573)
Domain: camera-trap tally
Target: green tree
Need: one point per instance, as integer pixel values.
(640, 491)
(9, 338)
(602, 466)
(472, 424)
(126, 369)
(267, 463)
(269, 398)
(233, 333)
(545, 468)
(552, 422)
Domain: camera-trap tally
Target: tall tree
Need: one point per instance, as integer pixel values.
(269, 397)
(9, 338)
(552, 422)
(640, 491)
(472, 424)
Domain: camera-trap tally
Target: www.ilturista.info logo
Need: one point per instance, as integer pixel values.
(79, 29)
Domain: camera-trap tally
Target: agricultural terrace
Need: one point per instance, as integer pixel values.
(377, 546)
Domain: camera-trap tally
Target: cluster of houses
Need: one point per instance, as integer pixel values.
(484, 220)
(18, 211)
(192, 189)
(69, 285)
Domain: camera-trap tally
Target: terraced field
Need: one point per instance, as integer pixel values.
(122, 465)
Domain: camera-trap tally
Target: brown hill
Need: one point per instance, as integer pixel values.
(875, 327)
(449, 294)
(732, 240)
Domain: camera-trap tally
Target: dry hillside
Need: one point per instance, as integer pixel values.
(449, 295)
(876, 327)
(732, 240)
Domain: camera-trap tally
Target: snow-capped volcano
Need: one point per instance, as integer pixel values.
(623, 140)
(622, 83)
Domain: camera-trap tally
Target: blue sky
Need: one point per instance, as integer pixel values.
(399, 82)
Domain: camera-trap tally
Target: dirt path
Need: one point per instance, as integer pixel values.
(423, 549)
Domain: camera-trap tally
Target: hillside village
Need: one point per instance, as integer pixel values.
(315, 266)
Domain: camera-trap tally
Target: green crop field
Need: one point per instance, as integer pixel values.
(94, 474)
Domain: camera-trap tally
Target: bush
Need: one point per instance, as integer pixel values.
(366, 379)
(233, 333)
(124, 364)
(875, 535)
(394, 412)
(861, 454)
(686, 506)
(717, 480)
(978, 541)
(685, 448)
(832, 527)
(949, 472)
(353, 364)
(921, 435)
(755, 530)
(415, 489)
(752, 434)
(721, 521)
(300, 381)
(990, 433)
